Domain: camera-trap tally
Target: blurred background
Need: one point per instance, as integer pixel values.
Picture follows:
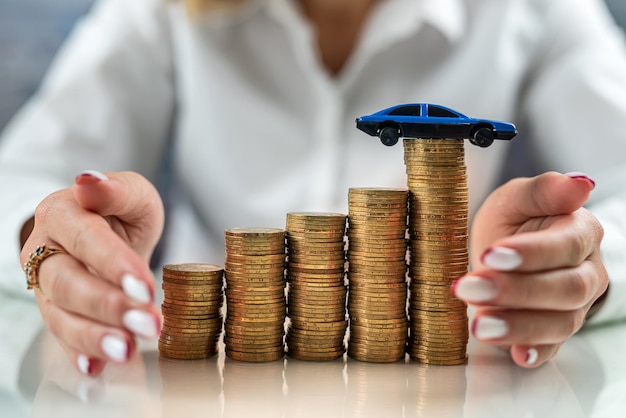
(32, 30)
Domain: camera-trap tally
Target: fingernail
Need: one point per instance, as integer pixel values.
(115, 348)
(84, 364)
(501, 258)
(90, 177)
(531, 356)
(579, 175)
(136, 289)
(488, 328)
(475, 289)
(141, 323)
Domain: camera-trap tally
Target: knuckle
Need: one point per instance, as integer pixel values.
(579, 248)
(577, 291)
(43, 209)
(46, 208)
(110, 305)
(571, 324)
(598, 229)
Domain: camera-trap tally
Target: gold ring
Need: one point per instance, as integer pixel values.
(31, 267)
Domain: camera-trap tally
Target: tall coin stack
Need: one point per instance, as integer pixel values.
(317, 289)
(192, 323)
(255, 294)
(438, 249)
(377, 274)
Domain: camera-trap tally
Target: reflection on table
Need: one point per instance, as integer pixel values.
(587, 378)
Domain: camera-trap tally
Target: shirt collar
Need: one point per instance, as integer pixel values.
(448, 16)
(408, 16)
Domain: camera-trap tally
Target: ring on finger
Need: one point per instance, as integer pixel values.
(31, 267)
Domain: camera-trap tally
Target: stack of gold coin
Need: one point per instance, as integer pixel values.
(438, 249)
(377, 274)
(255, 294)
(317, 289)
(192, 323)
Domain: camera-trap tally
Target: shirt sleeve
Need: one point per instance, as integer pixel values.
(576, 102)
(106, 104)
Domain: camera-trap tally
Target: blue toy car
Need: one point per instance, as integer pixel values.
(423, 120)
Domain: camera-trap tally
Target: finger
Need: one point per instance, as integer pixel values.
(564, 289)
(89, 237)
(565, 240)
(526, 327)
(548, 194)
(128, 196)
(89, 366)
(72, 288)
(533, 356)
(88, 338)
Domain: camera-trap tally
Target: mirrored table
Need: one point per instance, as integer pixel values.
(586, 379)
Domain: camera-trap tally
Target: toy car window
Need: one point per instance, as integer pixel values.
(407, 111)
(439, 112)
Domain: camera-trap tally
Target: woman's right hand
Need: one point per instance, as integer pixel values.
(99, 296)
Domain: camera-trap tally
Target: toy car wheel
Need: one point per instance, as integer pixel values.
(389, 136)
(482, 137)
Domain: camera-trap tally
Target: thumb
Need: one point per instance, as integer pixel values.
(127, 196)
(520, 200)
(549, 194)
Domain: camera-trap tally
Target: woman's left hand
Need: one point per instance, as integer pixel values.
(536, 265)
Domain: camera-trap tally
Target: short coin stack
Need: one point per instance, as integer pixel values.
(438, 249)
(192, 323)
(255, 294)
(317, 290)
(377, 274)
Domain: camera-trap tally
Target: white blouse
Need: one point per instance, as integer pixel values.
(251, 126)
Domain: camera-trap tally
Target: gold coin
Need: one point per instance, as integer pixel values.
(254, 232)
(255, 332)
(306, 356)
(185, 355)
(255, 357)
(201, 303)
(192, 268)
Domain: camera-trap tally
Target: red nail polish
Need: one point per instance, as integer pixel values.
(453, 286)
(485, 254)
(86, 179)
(582, 176)
(90, 177)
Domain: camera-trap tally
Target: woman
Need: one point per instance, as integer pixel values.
(260, 101)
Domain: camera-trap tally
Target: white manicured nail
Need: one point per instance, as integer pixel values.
(115, 348)
(141, 323)
(501, 258)
(488, 328)
(475, 289)
(532, 356)
(96, 174)
(84, 364)
(136, 289)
